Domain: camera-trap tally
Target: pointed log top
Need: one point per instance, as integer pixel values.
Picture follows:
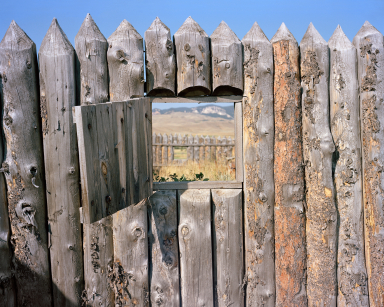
(255, 34)
(90, 30)
(55, 40)
(313, 36)
(156, 24)
(339, 40)
(367, 29)
(190, 25)
(283, 34)
(125, 29)
(223, 33)
(16, 35)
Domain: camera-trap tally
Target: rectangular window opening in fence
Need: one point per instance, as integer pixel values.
(196, 141)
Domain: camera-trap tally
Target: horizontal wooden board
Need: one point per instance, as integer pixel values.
(198, 99)
(185, 185)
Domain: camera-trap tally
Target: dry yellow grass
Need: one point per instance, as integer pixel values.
(213, 170)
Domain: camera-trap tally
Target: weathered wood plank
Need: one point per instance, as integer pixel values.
(228, 247)
(185, 185)
(125, 63)
(129, 276)
(163, 247)
(227, 61)
(98, 262)
(193, 58)
(195, 247)
(259, 189)
(58, 96)
(160, 60)
(369, 44)
(321, 225)
(202, 99)
(345, 126)
(92, 68)
(290, 252)
(24, 168)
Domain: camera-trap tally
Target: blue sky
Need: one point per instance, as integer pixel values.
(35, 16)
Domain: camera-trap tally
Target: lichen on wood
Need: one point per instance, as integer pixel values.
(290, 243)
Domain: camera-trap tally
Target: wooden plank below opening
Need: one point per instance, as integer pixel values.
(198, 99)
(185, 185)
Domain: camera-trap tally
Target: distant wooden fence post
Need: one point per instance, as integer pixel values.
(370, 54)
(92, 71)
(58, 96)
(24, 167)
(259, 191)
(290, 247)
(318, 149)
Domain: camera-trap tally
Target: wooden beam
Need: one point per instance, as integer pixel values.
(24, 167)
(58, 96)
(321, 225)
(186, 185)
(238, 141)
(198, 99)
(289, 212)
(370, 56)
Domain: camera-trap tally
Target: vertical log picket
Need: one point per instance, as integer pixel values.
(370, 56)
(58, 96)
(193, 59)
(289, 210)
(125, 63)
(160, 60)
(258, 168)
(318, 149)
(196, 151)
(24, 167)
(92, 71)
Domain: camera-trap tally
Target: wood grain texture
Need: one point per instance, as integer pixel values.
(370, 54)
(92, 68)
(259, 191)
(163, 249)
(290, 246)
(125, 63)
(321, 224)
(345, 126)
(227, 62)
(98, 263)
(24, 161)
(193, 58)
(129, 276)
(199, 99)
(160, 60)
(58, 96)
(228, 247)
(195, 244)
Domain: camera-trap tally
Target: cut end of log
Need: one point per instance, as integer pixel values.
(313, 36)
(16, 35)
(366, 29)
(125, 30)
(255, 34)
(190, 26)
(55, 40)
(224, 34)
(339, 40)
(89, 30)
(283, 34)
(158, 24)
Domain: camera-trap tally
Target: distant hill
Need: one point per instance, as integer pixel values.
(211, 110)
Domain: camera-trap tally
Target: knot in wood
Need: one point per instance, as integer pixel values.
(108, 199)
(263, 198)
(187, 47)
(227, 65)
(163, 211)
(137, 232)
(29, 65)
(185, 231)
(71, 170)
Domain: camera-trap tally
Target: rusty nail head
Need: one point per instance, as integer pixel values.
(108, 198)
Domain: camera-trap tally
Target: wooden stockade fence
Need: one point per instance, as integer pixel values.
(199, 148)
(302, 225)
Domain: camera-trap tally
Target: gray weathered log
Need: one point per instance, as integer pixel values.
(163, 247)
(92, 71)
(195, 247)
(58, 96)
(345, 126)
(289, 215)
(125, 63)
(321, 225)
(193, 59)
(370, 54)
(227, 62)
(160, 60)
(129, 276)
(98, 262)
(259, 190)
(24, 167)
(228, 247)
